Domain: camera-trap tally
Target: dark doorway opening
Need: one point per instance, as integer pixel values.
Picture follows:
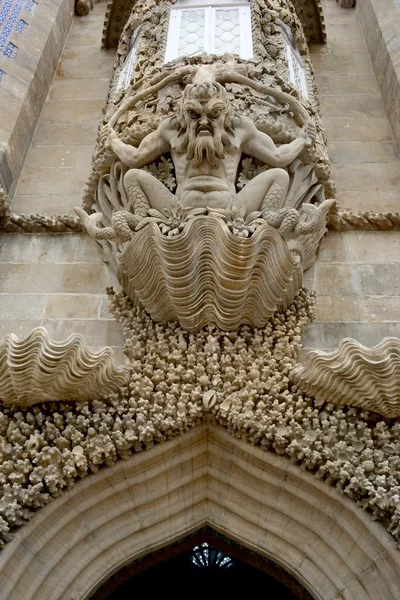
(205, 564)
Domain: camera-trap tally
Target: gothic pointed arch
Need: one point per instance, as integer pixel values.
(205, 477)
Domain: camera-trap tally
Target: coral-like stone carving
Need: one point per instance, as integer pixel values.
(355, 375)
(39, 369)
(207, 275)
(237, 379)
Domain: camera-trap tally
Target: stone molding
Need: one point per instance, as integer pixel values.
(364, 221)
(205, 477)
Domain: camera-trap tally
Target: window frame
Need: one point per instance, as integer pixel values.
(210, 8)
(125, 74)
(293, 59)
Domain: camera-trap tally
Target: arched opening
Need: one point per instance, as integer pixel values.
(205, 477)
(206, 561)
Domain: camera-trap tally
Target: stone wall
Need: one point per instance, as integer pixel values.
(58, 282)
(380, 22)
(357, 277)
(27, 81)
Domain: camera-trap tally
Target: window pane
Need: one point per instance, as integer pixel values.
(227, 31)
(296, 71)
(191, 35)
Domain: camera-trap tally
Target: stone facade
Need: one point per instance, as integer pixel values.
(190, 396)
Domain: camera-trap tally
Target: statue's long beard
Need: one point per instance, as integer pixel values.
(208, 148)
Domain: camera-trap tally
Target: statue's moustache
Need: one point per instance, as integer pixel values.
(203, 149)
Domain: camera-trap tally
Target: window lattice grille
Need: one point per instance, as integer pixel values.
(196, 29)
(227, 31)
(191, 38)
(206, 556)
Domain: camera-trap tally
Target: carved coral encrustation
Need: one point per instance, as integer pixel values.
(355, 375)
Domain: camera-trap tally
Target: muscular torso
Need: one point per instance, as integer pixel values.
(205, 185)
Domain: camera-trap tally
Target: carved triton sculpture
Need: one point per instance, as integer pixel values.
(208, 254)
(206, 141)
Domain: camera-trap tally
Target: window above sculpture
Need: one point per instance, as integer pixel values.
(199, 28)
(297, 72)
(129, 63)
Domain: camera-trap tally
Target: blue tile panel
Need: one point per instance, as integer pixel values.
(10, 20)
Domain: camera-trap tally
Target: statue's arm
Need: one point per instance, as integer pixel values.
(150, 148)
(260, 146)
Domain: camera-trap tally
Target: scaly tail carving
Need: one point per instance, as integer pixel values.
(140, 203)
(122, 225)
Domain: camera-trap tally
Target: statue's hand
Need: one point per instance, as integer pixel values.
(107, 136)
(310, 134)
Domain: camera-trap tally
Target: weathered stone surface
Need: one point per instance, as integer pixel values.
(64, 134)
(383, 177)
(58, 156)
(27, 306)
(345, 83)
(66, 306)
(77, 89)
(67, 111)
(83, 62)
(379, 308)
(371, 201)
(381, 27)
(38, 181)
(340, 63)
(373, 247)
(45, 204)
(338, 308)
(88, 251)
(29, 248)
(29, 75)
(337, 279)
(348, 106)
(327, 335)
(334, 249)
(362, 152)
(63, 278)
(379, 279)
(97, 332)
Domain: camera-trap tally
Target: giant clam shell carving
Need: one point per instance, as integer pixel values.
(354, 374)
(39, 369)
(206, 275)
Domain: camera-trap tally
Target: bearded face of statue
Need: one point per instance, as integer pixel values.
(205, 136)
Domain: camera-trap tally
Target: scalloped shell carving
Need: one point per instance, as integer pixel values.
(206, 275)
(39, 369)
(354, 375)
